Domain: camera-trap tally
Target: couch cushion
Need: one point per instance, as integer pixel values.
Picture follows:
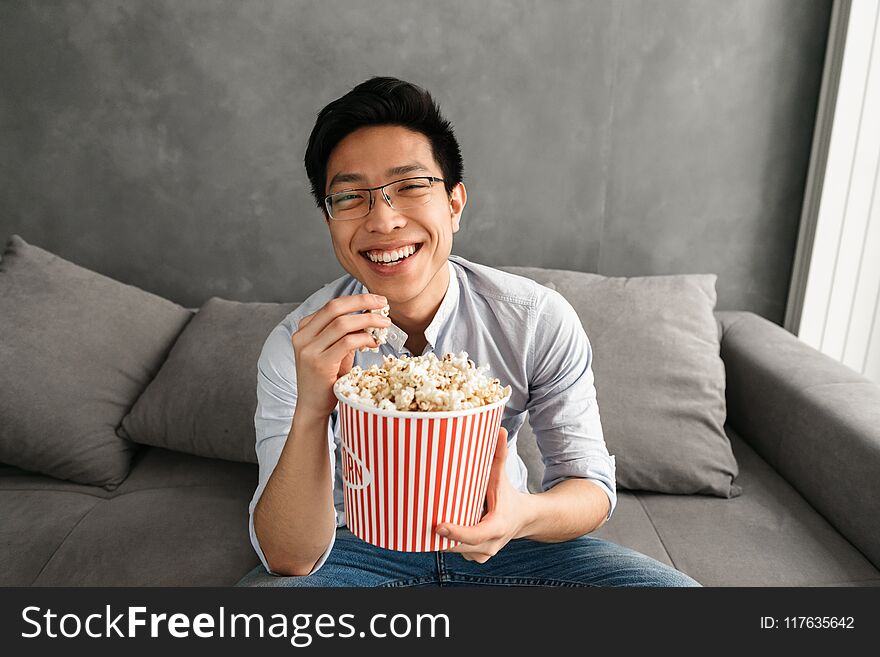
(835, 427)
(659, 377)
(157, 537)
(768, 536)
(177, 520)
(203, 399)
(77, 350)
(181, 520)
(35, 523)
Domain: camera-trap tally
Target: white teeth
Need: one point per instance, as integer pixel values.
(392, 256)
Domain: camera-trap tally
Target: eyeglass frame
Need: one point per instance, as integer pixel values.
(433, 179)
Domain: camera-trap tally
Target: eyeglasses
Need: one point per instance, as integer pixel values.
(402, 194)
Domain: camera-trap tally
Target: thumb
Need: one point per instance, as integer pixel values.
(346, 364)
(497, 471)
(501, 446)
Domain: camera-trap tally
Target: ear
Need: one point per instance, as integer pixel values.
(457, 201)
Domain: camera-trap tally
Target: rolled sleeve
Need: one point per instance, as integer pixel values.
(563, 411)
(276, 403)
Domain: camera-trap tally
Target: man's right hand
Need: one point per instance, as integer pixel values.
(325, 344)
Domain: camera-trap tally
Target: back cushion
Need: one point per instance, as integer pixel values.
(76, 351)
(204, 398)
(660, 380)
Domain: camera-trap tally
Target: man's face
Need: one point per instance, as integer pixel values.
(375, 156)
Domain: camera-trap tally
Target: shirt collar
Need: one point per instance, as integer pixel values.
(447, 306)
(397, 337)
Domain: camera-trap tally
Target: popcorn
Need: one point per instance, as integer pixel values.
(380, 334)
(422, 383)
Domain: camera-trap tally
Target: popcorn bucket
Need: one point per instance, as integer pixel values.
(406, 472)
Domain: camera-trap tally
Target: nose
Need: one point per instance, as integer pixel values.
(383, 218)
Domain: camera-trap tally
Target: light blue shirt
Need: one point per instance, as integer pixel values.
(529, 336)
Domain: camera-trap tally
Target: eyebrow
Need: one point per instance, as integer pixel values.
(394, 171)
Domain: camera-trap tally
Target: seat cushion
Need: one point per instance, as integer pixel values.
(35, 524)
(181, 520)
(768, 536)
(177, 520)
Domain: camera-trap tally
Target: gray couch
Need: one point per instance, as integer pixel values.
(804, 429)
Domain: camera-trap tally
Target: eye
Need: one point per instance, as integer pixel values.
(347, 200)
(413, 188)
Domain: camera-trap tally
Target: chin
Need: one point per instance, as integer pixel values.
(394, 293)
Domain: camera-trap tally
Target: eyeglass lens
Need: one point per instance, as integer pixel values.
(404, 194)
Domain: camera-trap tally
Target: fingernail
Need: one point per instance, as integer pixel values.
(380, 299)
(442, 531)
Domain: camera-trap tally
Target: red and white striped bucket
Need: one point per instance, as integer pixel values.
(406, 472)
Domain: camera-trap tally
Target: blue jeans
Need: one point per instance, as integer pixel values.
(583, 561)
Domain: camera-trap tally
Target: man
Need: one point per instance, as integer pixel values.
(386, 171)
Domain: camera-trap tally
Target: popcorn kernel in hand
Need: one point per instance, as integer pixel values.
(380, 335)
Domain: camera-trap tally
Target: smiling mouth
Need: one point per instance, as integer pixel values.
(394, 257)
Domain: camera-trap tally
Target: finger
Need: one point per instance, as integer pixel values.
(349, 344)
(478, 557)
(338, 307)
(469, 536)
(305, 321)
(464, 548)
(346, 325)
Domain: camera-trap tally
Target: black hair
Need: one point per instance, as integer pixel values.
(381, 101)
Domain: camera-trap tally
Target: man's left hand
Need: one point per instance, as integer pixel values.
(505, 514)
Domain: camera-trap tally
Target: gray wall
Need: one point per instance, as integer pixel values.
(161, 142)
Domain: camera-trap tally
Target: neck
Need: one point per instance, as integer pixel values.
(415, 315)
